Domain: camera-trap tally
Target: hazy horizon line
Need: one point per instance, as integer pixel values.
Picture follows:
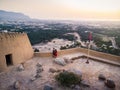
(64, 19)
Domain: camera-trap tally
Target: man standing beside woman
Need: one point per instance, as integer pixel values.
(54, 53)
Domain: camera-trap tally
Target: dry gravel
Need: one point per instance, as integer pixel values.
(90, 72)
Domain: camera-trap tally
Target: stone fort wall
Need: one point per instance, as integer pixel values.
(17, 45)
(83, 52)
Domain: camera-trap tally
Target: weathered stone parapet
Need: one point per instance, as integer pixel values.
(4, 35)
(60, 52)
(84, 51)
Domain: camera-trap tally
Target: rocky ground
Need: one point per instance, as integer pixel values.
(37, 73)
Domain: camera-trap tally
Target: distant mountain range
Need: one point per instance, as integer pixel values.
(13, 16)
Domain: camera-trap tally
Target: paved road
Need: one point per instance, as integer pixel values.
(113, 42)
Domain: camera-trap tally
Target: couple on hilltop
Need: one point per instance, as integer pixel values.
(54, 52)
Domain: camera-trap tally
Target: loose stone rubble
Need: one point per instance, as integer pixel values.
(17, 85)
(48, 87)
(85, 83)
(38, 70)
(101, 77)
(77, 72)
(77, 87)
(52, 70)
(34, 75)
(21, 67)
(60, 61)
(110, 83)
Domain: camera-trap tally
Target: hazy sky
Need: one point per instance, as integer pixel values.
(65, 9)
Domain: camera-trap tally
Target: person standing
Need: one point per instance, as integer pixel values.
(54, 53)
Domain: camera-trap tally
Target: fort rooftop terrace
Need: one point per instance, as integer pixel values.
(90, 72)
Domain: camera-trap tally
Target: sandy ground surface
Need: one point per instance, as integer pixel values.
(90, 72)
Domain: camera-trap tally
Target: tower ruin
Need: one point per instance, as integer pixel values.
(15, 48)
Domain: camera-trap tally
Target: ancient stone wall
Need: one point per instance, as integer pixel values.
(16, 45)
(82, 51)
(61, 52)
(101, 55)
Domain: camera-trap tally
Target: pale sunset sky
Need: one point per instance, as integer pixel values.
(65, 9)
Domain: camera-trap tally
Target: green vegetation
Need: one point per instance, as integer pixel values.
(48, 35)
(67, 78)
(117, 39)
(36, 50)
(44, 31)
